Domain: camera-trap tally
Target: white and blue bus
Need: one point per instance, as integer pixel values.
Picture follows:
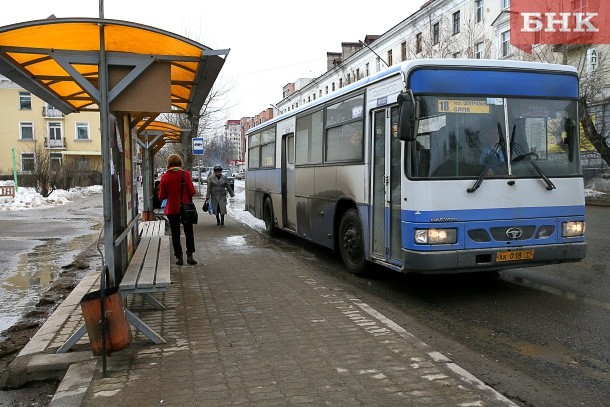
(431, 166)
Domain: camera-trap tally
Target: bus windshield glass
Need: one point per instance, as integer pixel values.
(470, 137)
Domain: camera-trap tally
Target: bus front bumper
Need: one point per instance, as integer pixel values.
(453, 261)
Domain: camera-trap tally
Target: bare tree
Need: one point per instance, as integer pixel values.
(594, 94)
(202, 124)
(42, 172)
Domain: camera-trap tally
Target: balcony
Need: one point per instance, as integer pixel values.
(55, 144)
(49, 112)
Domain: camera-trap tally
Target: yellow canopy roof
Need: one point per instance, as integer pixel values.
(169, 133)
(58, 60)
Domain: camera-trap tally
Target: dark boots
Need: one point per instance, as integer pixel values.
(190, 259)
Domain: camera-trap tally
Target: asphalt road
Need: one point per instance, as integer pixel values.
(539, 336)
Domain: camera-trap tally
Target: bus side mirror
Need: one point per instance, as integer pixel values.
(409, 116)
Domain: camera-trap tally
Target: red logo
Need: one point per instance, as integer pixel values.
(559, 22)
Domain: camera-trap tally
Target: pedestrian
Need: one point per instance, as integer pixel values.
(218, 185)
(171, 185)
(156, 200)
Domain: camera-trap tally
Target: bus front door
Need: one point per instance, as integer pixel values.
(386, 174)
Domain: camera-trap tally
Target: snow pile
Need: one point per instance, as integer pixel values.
(28, 198)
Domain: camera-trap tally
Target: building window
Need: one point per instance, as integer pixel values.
(478, 50)
(320, 92)
(349, 78)
(456, 22)
(367, 70)
(25, 101)
(358, 71)
(505, 43)
(54, 131)
(326, 90)
(478, 5)
(390, 58)
(403, 51)
(340, 82)
(27, 162)
(418, 43)
(26, 131)
(82, 131)
(436, 33)
(505, 4)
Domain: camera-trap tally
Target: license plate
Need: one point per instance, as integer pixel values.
(514, 255)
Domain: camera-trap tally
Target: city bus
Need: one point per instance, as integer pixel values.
(430, 166)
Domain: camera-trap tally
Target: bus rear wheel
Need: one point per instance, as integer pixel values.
(351, 243)
(270, 228)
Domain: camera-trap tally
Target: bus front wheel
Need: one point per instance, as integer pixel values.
(268, 218)
(351, 243)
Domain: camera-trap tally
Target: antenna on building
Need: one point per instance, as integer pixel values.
(371, 49)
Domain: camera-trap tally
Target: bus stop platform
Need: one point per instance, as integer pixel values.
(253, 325)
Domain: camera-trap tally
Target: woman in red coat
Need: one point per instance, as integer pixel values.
(169, 188)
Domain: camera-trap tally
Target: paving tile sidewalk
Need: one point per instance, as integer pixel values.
(251, 325)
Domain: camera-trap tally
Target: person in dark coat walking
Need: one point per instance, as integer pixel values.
(218, 185)
(169, 188)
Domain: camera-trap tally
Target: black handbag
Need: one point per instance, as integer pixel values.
(206, 206)
(188, 210)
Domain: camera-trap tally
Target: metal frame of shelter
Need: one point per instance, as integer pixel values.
(128, 72)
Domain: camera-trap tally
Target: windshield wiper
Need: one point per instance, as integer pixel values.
(487, 161)
(524, 154)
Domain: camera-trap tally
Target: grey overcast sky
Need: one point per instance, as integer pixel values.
(272, 42)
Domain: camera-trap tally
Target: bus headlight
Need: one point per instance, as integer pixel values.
(572, 229)
(435, 236)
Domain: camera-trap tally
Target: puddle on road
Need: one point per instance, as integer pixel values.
(554, 353)
(23, 287)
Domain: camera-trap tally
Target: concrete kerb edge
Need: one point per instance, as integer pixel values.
(438, 357)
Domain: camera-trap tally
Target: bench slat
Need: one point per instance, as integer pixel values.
(163, 277)
(130, 278)
(149, 266)
(152, 228)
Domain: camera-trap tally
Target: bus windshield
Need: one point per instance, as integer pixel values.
(470, 137)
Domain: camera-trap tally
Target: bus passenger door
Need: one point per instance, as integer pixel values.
(386, 235)
(289, 214)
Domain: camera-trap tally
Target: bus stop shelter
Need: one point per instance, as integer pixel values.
(128, 72)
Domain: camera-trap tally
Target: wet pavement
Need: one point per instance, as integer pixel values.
(251, 325)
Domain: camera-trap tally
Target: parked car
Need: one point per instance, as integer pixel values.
(230, 177)
(239, 175)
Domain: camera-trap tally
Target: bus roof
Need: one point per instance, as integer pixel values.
(407, 66)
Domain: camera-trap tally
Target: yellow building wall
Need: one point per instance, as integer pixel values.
(11, 115)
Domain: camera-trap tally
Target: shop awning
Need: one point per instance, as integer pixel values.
(58, 60)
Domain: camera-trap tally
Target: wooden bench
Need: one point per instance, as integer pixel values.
(152, 228)
(147, 273)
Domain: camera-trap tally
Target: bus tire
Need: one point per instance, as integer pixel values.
(351, 243)
(270, 228)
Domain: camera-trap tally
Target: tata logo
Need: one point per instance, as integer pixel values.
(514, 233)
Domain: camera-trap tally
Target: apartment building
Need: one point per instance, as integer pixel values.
(441, 29)
(31, 127)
